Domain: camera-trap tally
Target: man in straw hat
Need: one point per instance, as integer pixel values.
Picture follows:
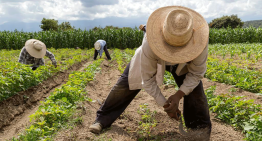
(142, 27)
(33, 52)
(100, 46)
(176, 40)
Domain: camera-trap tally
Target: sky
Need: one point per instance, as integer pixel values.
(26, 15)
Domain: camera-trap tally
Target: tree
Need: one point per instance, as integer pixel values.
(49, 24)
(66, 26)
(254, 23)
(111, 27)
(226, 21)
(97, 28)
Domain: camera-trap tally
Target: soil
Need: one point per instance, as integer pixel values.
(126, 127)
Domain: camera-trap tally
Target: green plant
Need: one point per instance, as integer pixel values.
(16, 77)
(241, 114)
(56, 111)
(147, 122)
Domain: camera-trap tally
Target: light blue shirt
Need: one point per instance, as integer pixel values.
(102, 43)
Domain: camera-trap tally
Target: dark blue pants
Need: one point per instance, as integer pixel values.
(195, 109)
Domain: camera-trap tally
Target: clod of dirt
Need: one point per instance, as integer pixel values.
(106, 63)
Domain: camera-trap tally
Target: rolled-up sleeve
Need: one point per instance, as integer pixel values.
(21, 58)
(197, 69)
(148, 72)
(51, 56)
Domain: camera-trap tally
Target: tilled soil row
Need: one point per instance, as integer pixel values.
(15, 111)
(126, 127)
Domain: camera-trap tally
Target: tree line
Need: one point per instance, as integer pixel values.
(232, 21)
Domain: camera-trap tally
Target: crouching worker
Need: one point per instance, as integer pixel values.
(100, 46)
(176, 40)
(33, 52)
(142, 27)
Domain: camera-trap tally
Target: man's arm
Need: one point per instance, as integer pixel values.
(148, 72)
(51, 56)
(197, 69)
(22, 56)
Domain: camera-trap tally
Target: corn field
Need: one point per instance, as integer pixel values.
(116, 38)
(236, 35)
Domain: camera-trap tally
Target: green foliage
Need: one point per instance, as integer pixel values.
(49, 24)
(147, 122)
(106, 27)
(120, 38)
(16, 77)
(122, 58)
(60, 106)
(65, 26)
(236, 35)
(115, 38)
(241, 114)
(226, 21)
(243, 51)
(224, 72)
(254, 23)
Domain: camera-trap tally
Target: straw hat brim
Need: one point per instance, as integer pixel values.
(29, 46)
(97, 46)
(170, 53)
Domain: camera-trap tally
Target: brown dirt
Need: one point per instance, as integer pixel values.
(126, 127)
(15, 111)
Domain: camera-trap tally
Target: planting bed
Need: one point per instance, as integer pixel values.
(127, 127)
(143, 119)
(15, 111)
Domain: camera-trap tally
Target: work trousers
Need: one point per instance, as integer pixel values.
(195, 108)
(106, 52)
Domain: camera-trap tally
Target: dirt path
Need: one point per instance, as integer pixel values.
(126, 127)
(15, 111)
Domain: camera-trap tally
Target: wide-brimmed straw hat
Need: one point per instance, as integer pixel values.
(97, 46)
(177, 34)
(35, 48)
(141, 26)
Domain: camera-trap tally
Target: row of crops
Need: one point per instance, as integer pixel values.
(244, 115)
(236, 64)
(60, 107)
(116, 38)
(16, 77)
(224, 71)
(59, 110)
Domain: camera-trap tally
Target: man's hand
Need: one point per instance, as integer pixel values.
(172, 103)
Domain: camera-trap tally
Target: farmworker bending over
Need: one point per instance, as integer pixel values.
(176, 41)
(143, 28)
(100, 46)
(33, 53)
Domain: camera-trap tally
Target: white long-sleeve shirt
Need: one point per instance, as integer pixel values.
(147, 71)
